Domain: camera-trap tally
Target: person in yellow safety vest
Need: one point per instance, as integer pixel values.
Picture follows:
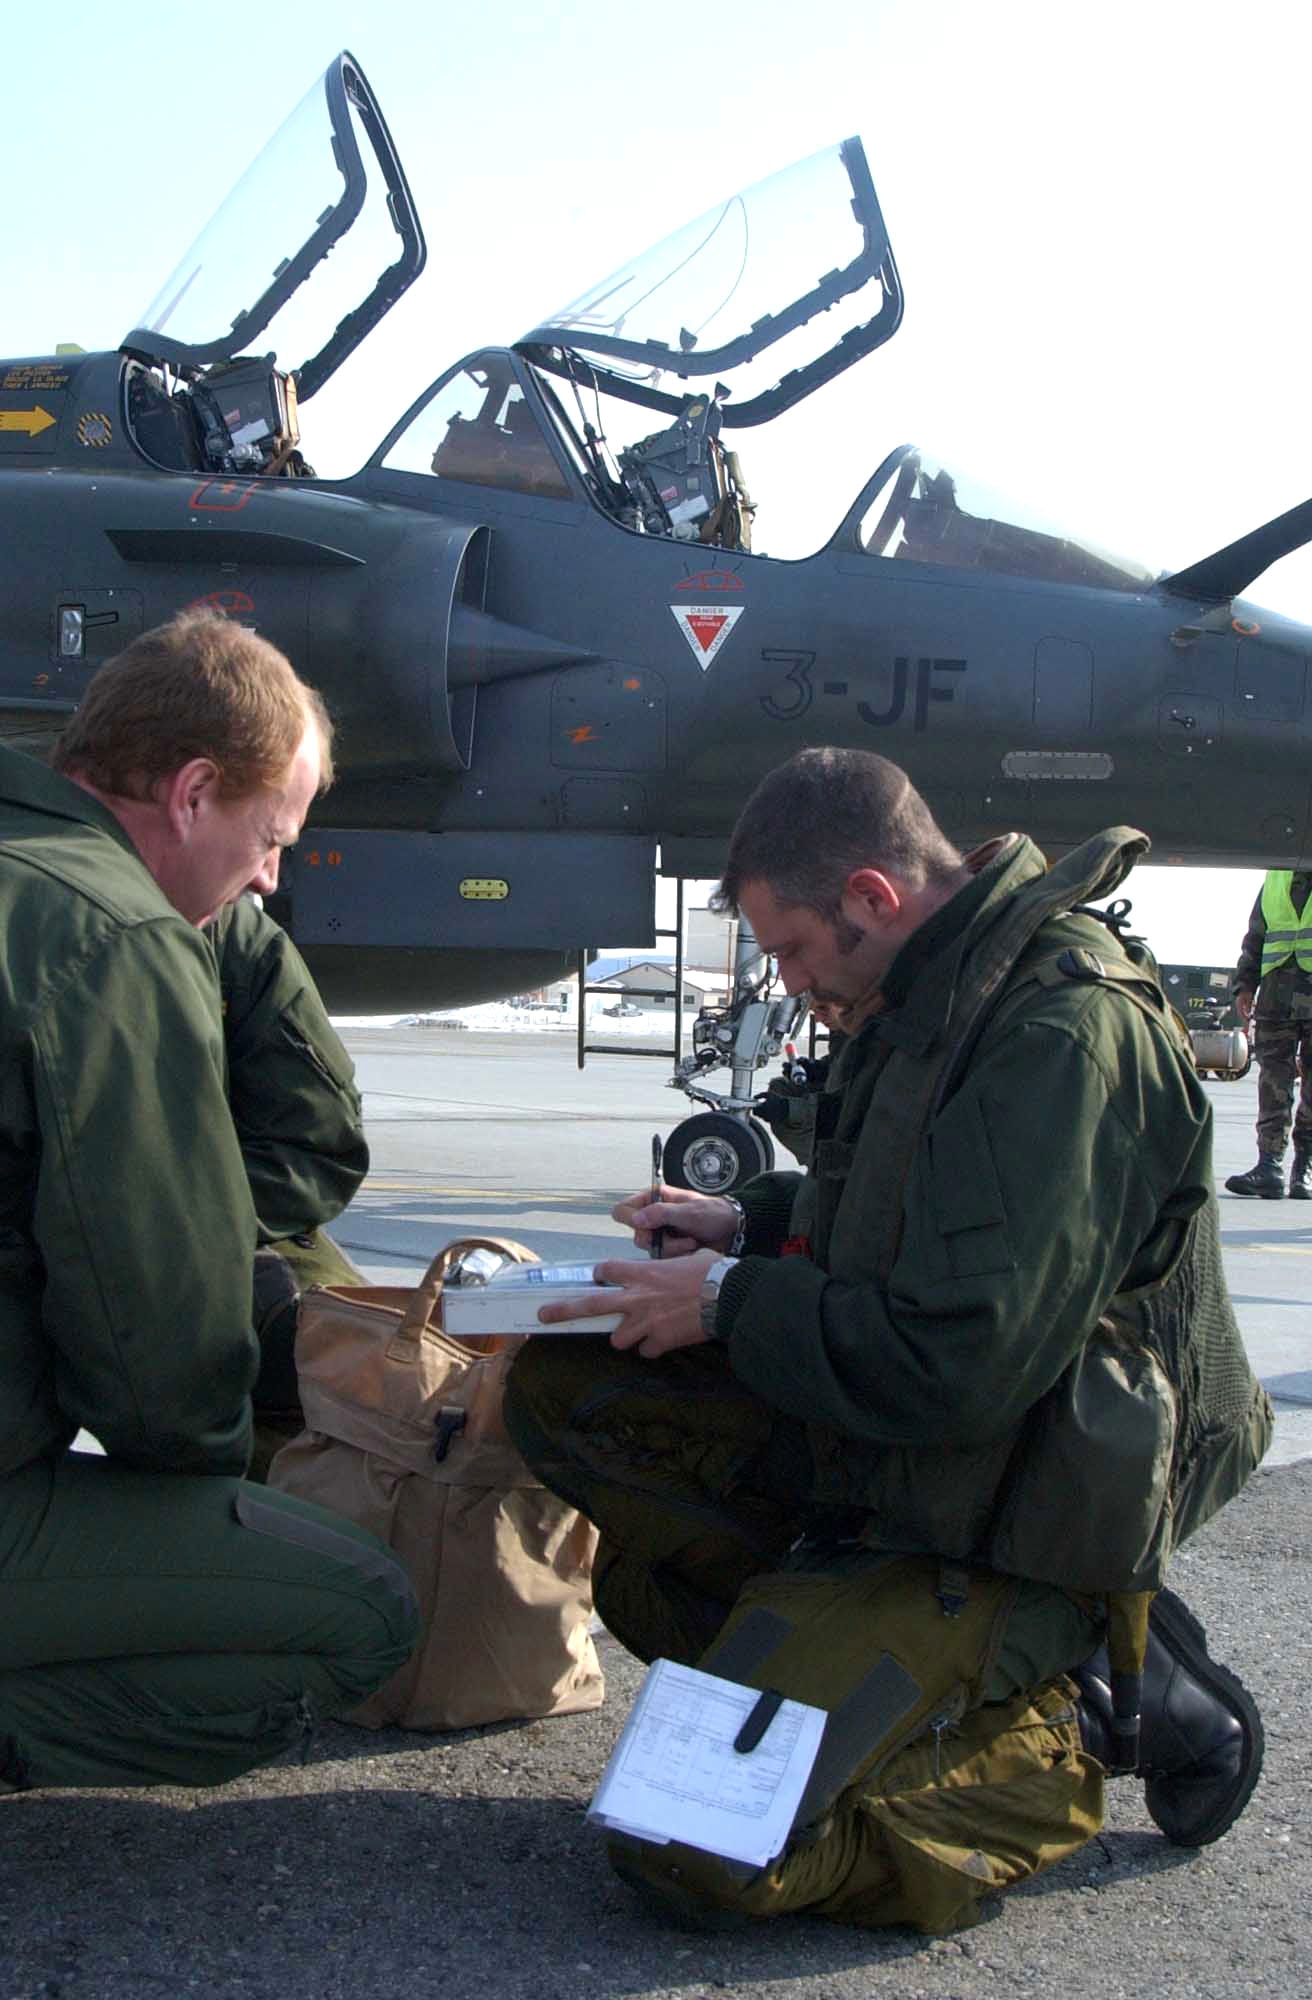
(1273, 993)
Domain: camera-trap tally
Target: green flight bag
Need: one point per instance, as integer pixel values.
(924, 1800)
(926, 1796)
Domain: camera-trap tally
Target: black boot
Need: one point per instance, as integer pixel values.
(1264, 1180)
(1300, 1175)
(1200, 1749)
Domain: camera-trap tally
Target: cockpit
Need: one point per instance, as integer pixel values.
(643, 381)
(633, 396)
(196, 395)
(915, 510)
(734, 319)
(494, 421)
(476, 426)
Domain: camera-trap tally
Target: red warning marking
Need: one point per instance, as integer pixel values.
(631, 684)
(334, 857)
(583, 735)
(222, 496)
(230, 602)
(706, 627)
(712, 580)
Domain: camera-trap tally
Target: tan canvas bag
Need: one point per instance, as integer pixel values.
(404, 1435)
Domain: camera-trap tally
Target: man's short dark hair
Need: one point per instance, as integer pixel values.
(825, 813)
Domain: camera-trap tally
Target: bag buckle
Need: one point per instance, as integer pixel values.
(447, 1426)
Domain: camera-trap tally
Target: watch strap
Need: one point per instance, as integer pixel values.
(709, 1296)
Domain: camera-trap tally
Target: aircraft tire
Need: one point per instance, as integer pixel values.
(715, 1153)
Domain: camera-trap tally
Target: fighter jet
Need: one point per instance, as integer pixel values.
(545, 613)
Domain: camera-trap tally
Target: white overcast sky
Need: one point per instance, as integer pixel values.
(1099, 214)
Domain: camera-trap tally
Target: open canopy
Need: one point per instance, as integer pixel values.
(330, 168)
(769, 294)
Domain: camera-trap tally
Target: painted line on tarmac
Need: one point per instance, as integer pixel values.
(486, 1110)
(583, 1198)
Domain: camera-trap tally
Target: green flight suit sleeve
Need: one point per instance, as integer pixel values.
(1248, 974)
(141, 1210)
(767, 1203)
(1052, 1178)
(291, 1083)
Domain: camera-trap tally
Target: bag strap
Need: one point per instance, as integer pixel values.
(422, 1309)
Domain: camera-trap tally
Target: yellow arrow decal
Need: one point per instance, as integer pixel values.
(33, 421)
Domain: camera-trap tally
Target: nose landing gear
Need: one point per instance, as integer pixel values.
(717, 1150)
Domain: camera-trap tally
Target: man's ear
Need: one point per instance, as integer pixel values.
(877, 893)
(184, 797)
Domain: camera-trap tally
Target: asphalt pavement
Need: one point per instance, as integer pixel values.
(397, 1865)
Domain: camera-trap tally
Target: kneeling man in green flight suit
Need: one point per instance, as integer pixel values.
(161, 1620)
(292, 1093)
(911, 1436)
(294, 1102)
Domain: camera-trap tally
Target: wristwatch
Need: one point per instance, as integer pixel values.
(708, 1299)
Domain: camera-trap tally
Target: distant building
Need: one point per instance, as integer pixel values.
(616, 961)
(653, 979)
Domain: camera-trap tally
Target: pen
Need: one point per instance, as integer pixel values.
(768, 1705)
(657, 1235)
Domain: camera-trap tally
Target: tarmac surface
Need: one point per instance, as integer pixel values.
(394, 1864)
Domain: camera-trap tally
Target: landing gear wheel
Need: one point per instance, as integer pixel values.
(715, 1153)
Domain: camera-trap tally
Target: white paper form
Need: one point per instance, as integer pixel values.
(675, 1775)
(508, 1302)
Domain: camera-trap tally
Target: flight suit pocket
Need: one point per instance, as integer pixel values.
(299, 1027)
(831, 1163)
(970, 1216)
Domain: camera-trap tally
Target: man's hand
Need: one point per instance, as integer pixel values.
(1244, 1006)
(690, 1221)
(659, 1302)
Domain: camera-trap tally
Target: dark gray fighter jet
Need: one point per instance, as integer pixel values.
(543, 613)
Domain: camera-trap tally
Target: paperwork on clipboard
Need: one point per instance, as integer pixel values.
(508, 1301)
(676, 1775)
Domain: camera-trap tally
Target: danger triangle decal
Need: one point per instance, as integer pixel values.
(706, 627)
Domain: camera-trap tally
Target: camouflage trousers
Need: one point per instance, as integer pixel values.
(1284, 1054)
(953, 1766)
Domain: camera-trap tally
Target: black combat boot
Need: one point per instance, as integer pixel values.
(1264, 1180)
(1200, 1747)
(1300, 1175)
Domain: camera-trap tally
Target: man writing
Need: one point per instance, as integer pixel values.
(895, 1438)
(160, 1620)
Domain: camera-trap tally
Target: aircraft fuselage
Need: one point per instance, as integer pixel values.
(532, 698)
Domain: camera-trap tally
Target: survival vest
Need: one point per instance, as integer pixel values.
(1159, 1420)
